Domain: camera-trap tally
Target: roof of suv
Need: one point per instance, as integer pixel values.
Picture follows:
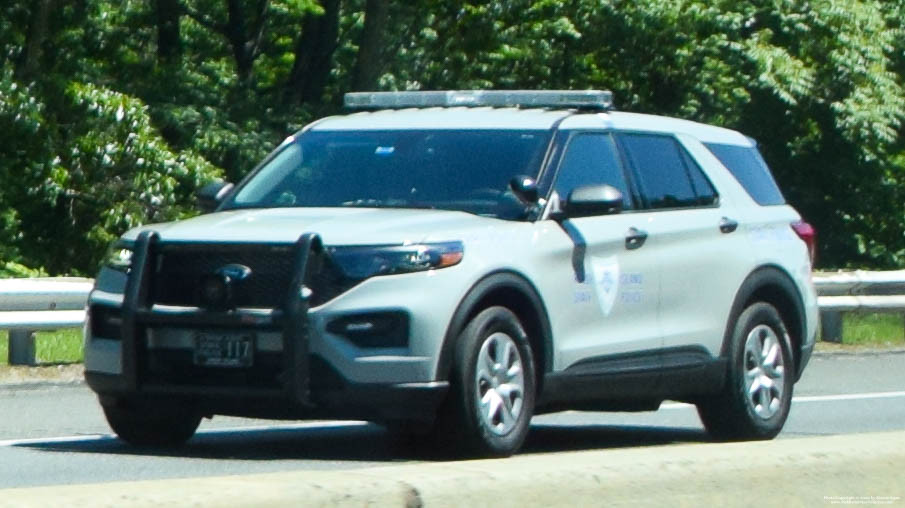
(446, 118)
(477, 118)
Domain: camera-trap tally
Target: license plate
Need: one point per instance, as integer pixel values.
(224, 349)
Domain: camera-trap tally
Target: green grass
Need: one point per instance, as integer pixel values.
(873, 329)
(60, 346)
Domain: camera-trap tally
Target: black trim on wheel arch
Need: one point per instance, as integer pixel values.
(759, 286)
(477, 299)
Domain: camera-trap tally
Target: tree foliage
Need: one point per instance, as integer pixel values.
(112, 113)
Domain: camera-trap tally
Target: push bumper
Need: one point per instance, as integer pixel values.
(289, 382)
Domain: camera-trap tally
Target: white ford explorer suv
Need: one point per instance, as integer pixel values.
(457, 262)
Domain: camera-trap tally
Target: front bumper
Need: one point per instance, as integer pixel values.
(376, 402)
(152, 356)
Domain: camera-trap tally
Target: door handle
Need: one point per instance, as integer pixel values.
(728, 225)
(635, 238)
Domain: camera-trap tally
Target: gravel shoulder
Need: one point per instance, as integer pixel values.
(55, 374)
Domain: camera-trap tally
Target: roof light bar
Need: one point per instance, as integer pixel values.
(557, 99)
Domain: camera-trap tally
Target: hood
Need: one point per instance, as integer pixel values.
(336, 226)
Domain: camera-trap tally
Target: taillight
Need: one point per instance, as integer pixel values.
(808, 234)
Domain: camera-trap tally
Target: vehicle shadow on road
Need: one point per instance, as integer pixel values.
(561, 438)
(363, 442)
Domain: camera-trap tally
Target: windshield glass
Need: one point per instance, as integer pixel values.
(445, 169)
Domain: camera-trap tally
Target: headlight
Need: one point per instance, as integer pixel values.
(369, 261)
(118, 257)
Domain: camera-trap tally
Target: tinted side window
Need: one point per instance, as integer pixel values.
(702, 187)
(749, 168)
(591, 159)
(664, 179)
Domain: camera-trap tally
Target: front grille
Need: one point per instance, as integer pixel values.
(179, 270)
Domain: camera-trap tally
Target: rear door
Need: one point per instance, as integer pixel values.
(695, 235)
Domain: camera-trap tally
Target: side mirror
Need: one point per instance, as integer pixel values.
(211, 195)
(524, 188)
(593, 200)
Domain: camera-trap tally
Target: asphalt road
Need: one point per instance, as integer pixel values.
(52, 435)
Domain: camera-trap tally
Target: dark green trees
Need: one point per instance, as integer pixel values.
(112, 113)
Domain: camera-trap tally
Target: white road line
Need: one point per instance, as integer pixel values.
(675, 405)
(849, 396)
(815, 398)
(56, 440)
(325, 424)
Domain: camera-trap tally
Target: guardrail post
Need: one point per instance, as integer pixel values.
(21, 347)
(831, 326)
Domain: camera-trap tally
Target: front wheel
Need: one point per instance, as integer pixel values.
(152, 423)
(492, 394)
(758, 394)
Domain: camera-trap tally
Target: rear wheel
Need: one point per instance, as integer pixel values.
(491, 400)
(758, 394)
(152, 423)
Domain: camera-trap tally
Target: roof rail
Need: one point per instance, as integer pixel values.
(596, 100)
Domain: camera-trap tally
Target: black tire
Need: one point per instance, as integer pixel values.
(499, 428)
(152, 423)
(755, 401)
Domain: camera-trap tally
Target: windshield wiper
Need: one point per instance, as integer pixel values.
(390, 203)
(371, 203)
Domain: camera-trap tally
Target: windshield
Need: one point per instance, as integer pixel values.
(445, 169)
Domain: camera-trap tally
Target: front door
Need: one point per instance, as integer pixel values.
(614, 275)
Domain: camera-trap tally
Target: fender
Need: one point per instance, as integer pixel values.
(510, 290)
(773, 285)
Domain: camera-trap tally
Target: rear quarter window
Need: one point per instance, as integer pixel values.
(667, 176)
(748, 167)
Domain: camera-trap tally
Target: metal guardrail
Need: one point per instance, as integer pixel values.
(857, 291)
(27, 305)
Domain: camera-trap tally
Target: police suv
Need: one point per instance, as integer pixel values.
(456, 262)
